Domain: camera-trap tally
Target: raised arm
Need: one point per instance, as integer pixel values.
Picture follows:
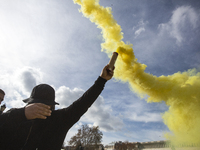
(80, 106)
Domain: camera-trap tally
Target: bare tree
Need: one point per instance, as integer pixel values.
(87, 137)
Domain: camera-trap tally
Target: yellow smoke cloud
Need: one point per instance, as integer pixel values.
(180, 91)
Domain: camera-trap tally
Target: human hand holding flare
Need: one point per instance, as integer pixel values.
(108, 70)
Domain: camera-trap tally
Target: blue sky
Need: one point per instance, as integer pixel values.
(50, 42)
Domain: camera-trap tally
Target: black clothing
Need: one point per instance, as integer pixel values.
(18, 133)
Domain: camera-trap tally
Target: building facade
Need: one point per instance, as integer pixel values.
(154, 145)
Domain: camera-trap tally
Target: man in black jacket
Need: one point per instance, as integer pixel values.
(19, 133)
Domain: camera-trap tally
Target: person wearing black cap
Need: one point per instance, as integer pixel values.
(49, 133)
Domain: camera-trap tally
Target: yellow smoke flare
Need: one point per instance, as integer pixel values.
(180, 91)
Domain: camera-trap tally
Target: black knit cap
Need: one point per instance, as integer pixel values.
(42, 93)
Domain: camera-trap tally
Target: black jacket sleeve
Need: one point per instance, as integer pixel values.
(13, 116)
(73, 113)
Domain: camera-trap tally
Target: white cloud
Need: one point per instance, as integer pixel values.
(98, 114)
(145, 117)
(139, 112)
(140, 27)
(150, 135)
(139, 31)
(36, 33)
(183, 18)
(139, 135)
(66, 96)
(101, 115)
(18, 84)
(28, 78)
(16, 101)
